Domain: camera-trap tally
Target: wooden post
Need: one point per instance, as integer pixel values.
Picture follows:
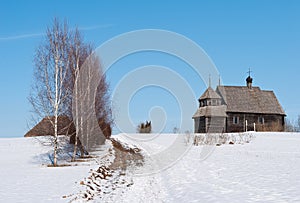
(244, 122)
(246, 125)
(254, 126)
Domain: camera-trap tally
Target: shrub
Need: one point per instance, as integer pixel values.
(145, 127)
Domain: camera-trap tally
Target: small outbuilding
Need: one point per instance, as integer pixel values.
(65, 126)
(46, 127)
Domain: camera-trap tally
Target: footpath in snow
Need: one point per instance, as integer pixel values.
(264, 170)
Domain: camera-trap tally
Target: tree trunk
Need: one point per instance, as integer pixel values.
(55, 115)
(76, 117)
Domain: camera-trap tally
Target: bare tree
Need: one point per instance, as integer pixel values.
(298, 124)
(90, 102)
(49, 96)
(88, 132)
(176, 130)
(289, 126)
(77, 55)
(68, 81)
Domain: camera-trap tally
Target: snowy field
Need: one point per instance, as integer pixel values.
(265, 170)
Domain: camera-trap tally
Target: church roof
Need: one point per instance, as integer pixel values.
(209, 94)
(250, 100)
(209, 111)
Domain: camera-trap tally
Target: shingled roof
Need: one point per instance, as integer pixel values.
(209, 94)
(209, 111)
(45, 127)
(65, 126)
(250, 100)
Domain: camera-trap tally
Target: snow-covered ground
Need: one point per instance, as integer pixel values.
(265, 170)
(25, 177)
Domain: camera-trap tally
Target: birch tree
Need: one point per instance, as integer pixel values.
(49, 96)
(79, 52)
(86, 93)
(68, 81)
(90, 102)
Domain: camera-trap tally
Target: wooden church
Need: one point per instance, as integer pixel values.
(238, 109)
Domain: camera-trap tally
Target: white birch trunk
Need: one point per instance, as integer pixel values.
(77, 121)
(55, 115)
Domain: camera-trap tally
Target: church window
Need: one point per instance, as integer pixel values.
(261, 120)
(235, 120)
(214, 102)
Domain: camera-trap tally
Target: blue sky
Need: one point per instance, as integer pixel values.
(262, 34)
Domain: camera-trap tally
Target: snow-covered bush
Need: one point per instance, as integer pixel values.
(222, 138)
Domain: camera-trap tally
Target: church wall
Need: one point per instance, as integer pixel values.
(196, 124)
(216, 125)
(263, 122)
(201, 125)
(210, 125)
